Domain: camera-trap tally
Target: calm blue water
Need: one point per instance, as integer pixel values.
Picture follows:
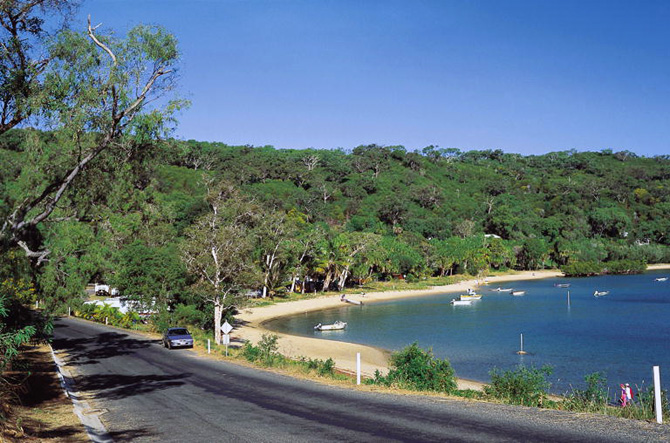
(622, 334)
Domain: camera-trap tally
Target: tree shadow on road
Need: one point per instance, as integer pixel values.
(86, 351)
(114, 386)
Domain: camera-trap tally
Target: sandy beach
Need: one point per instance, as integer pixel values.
(250, 326)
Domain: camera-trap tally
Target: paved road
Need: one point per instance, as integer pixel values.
(149, 393)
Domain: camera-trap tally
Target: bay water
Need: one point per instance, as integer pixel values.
(622, 334)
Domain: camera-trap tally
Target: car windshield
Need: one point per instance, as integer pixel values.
(178, 331)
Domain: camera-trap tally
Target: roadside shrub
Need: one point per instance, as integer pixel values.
(161, 320)
(267, 348)
(129, 319)
(417, 369)
(189, 315)
(591, 399)
(327, 367)
(522, 386)
(86, 311)
(251, 352)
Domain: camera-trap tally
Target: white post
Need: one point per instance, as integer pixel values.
(568, 298)
(68, 311)
(37, 304)
(209, 349)
(106, 320)
(358, 368)
(657, 394)
(226, 341)
(521, 351)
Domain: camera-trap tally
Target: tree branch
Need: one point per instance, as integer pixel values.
(39, 255)
(98, 42)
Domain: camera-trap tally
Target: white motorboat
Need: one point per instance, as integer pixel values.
(457, 302)
(600, 293)
(502, 289)
(338, 325)
(471, 297)
(518, 293)
(562, 285)
(661, 279)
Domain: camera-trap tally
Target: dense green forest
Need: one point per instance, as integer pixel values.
(94, 189)
(295, 220)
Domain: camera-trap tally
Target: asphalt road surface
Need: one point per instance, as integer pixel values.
(148, 393)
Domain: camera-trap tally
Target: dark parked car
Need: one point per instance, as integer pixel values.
(177, 338)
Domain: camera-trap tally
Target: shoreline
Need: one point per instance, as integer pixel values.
(250, 325)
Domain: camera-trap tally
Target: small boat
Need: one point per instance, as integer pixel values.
(502, 289)
(457, 302)
(518, 293)
(338, 325)
(661, 279)
(471, 296)
(353, 302)
(562, 285)
(600, 293)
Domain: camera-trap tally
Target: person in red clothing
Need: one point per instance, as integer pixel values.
(624, 397)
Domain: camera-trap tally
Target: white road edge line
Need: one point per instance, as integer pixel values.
(91, 421)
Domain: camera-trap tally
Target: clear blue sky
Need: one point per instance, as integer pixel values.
(523, 76)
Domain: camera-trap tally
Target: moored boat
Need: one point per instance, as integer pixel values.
(471, 296)
(457, 302)
(502, 289)
(562, 285)
(338, 325)
(661, 279)
(600, 293)
(518, 293)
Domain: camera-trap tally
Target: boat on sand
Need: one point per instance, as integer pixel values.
(338, 325)
(353, 302)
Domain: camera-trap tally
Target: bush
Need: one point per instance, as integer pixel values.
(268, 348)
(265, 352)
(417, 369)
(251, 352)
(591, 399)
(523, 386)
(582, 268)
(327, 367)
(189, 315)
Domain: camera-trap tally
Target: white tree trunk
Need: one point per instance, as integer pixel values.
(293, 278)
(343, 277)
(326, 282)
(218, 311)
